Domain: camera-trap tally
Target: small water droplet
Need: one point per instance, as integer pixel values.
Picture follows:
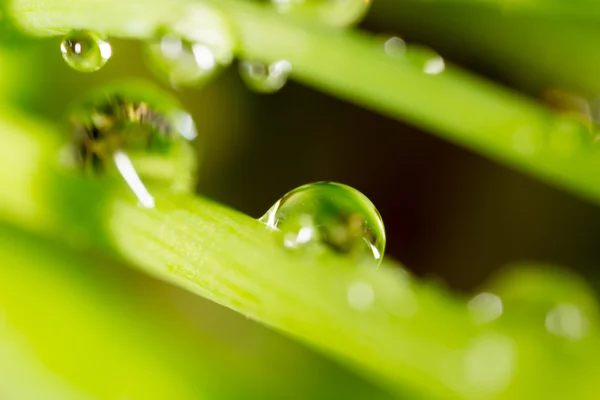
(395, 47)
(360, 295)
(330, 215)
(568, 321)
(331, 12)
(182, 62)
(140, 133)
(426, 59)
(485, 308)
(85, 51)
(192, 50)
(264, 78)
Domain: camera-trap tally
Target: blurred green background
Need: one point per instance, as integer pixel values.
(451, 215)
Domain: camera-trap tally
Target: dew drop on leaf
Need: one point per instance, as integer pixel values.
(85, 51)
(332, 12)
(329, 215)
(395, 47)
(190, 51)
(426, 59)
(263, 78)
(137, 132)
(182, 62)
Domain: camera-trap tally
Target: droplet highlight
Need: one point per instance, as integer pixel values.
(265, 78)
(327, 215)
(138, 133)
(331, 12)
(85, 51)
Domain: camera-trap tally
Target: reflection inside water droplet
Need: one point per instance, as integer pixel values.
(140, 133)
(329, 215)
(264, 78)
(85, 51)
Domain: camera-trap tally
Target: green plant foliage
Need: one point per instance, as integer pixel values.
(409, 337)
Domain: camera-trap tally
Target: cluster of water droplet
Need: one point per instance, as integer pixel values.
(332, 216)
(137, 132)
(424, 58)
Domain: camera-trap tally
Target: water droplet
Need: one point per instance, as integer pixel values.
(426, 59)
(395, 47)
(182, 62)
(330, 215)
(568, 321)
(85, 51)
(485, 308)
(360, 295)
(138, 132)
(331, 12)
(264, 78)
(191, 51)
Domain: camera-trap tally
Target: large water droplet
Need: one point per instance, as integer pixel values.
(265, 78)
(85, 51)
(330, 215)
(138, 132)
(331, 12)
(190, 51)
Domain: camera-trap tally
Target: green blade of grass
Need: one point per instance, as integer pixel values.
(74, 333)
(454, 104)
(409, 337)
(532, 52)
